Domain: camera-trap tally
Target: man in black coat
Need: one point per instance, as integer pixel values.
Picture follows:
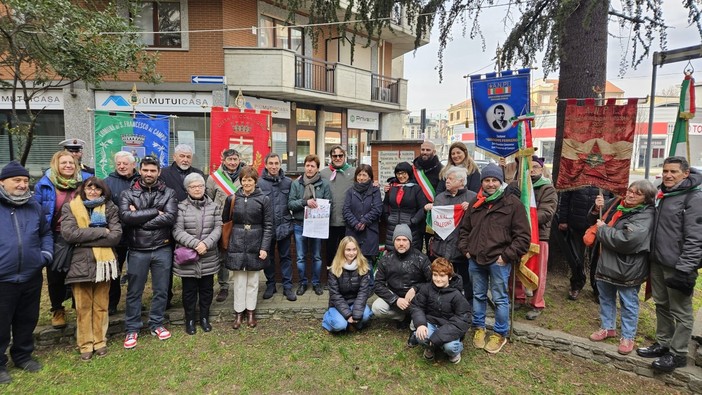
(428, 166)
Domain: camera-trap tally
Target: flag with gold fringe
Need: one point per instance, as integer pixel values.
(679, 145)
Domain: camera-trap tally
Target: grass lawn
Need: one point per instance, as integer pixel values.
(297, 356)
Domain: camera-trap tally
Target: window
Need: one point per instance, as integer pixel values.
(273, 33)
(161, 23)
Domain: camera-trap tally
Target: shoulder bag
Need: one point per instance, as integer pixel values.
(183, 255)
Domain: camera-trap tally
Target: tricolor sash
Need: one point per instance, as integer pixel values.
(224, 182)
(424, 183)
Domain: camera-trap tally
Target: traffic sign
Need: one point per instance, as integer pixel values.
(208, 79)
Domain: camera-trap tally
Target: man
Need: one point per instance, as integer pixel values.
(119, 180)
(25, 249)
(221, 183)
(500, 122)
(276, 186)
(304, 192)
(676, 253)
(426, 170)
(148, 209)
(494, 235)
(399, 272)
(340, 176)
(75, 147)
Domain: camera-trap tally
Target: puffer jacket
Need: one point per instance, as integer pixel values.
(83, 264)
(446, 308)
(191, 228)
(146, 228)
(173, 176)
(410, 211)
(252, 230)
(349, 289)
(338, 186)
(215, 192)
(677, 229)
(45, 194)
(364, 208)
(278, 191)
(623, 258)
(296, 202)
(397, 273)
(448, 248)
(28, 245)
(573, 207)
(493, 230)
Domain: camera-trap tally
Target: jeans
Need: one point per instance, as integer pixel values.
(451, 349)
(629, 301)
(302, 244)
(19, 309)
(498, 277)
(285, 263)
(333, 321)
(159, 262)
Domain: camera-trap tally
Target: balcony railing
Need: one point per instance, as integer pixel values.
(384, 89)
(314, 74)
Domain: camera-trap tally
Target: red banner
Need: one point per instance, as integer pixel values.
(598, 143)
(247, 131)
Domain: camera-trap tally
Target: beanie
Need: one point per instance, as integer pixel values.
(492, 170)
(13, 169)
(402, 230)
(403, 166)
(538, 160)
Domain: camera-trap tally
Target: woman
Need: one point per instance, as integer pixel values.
(458, 157)
(624, 238)
(199, 226)
(58, 186)
(90, 222)
(252, 233)
(404, 204)
(362, 209)
(349, 288)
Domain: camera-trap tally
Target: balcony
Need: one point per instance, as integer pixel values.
(283, 75)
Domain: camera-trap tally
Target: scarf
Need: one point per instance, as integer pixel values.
(481, 198)
(540, 182)
(400, 190)
(309, 186)
(97, 216)
(233, 175)
(340, 170)
(362, 187)
(621, 210)
(351, 266)
(63, 183)
(104, 256)
(15, 200)
(661, 195)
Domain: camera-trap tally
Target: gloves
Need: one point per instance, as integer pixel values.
(683, 282)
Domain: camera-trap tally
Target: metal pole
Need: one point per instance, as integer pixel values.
(649, 137)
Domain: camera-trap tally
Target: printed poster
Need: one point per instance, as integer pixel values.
(316, 221)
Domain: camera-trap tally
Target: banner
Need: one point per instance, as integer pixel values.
(597, 145)
(141, 135)
(247, 131)
(679, 145)
(445, 219)
(496, 98)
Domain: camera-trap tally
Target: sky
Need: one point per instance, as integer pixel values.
(464, 56)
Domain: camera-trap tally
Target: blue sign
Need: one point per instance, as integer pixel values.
(208, 79)
(496, 98)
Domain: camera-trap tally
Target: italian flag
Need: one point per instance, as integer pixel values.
(529, 265)
(445, 219)
(686, 111)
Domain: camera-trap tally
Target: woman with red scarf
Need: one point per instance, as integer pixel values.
(404, 204)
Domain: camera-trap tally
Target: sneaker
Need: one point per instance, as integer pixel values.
(602, 334)
(428, 354)
(5, 377)
(573, 294)
(270, 290)
(318, 290)
(222, 295)
(626, 346)
(162, 333)
(495, 343)
(131, 340)
(533, 314)
(289, 294)
(412, 341)
(31, 365)
(479, 338)
(58, 319)
(455, 359)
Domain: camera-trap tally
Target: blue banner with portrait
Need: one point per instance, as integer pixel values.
(497, 97)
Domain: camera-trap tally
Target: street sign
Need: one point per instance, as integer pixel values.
(208, 79)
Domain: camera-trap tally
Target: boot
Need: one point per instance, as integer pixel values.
(237, 321)
(190, 327)
(252, 318)
(205, 319)
(58, 320)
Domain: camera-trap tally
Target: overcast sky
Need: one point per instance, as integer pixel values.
(464, 56)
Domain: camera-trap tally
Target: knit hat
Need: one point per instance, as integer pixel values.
(13, 169)
(403, 166)
(492, 170)
(538, 160)
(402, 230)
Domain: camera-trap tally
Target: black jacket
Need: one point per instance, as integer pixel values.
(147, 229)
(278, 190)
(573, 207)
(397, 273)
(446, 308)
(410, 211)
(173, 176)
(431, 167)
(117, 184)
(350, 289)
(252, 230)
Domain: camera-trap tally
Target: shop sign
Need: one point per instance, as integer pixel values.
(358, 119)
(49, 100)
(170, 102)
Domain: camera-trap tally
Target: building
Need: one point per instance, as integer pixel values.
(436, 130)
(321, 95)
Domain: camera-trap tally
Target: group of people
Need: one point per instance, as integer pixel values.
(170, 222)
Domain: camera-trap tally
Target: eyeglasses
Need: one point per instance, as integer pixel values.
(633, 192)
(92, 188)
(196, 186)
(337, 156)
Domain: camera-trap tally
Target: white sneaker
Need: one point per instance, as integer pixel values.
(455, 359)
(131, 340)
(162, 333)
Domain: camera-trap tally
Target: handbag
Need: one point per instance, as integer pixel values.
(63, 254)
(183, 255)
(227, 227)
(590, 234)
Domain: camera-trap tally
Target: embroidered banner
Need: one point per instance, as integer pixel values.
(597, 145)
(247, 131)
(141, 135)
(496, 98)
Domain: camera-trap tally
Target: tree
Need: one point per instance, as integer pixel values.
(51, 44)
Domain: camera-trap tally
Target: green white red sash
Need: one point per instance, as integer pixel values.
(224, 182)
(424, 183)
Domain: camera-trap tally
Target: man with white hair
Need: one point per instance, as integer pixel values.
(175, 174)
(119, 180)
